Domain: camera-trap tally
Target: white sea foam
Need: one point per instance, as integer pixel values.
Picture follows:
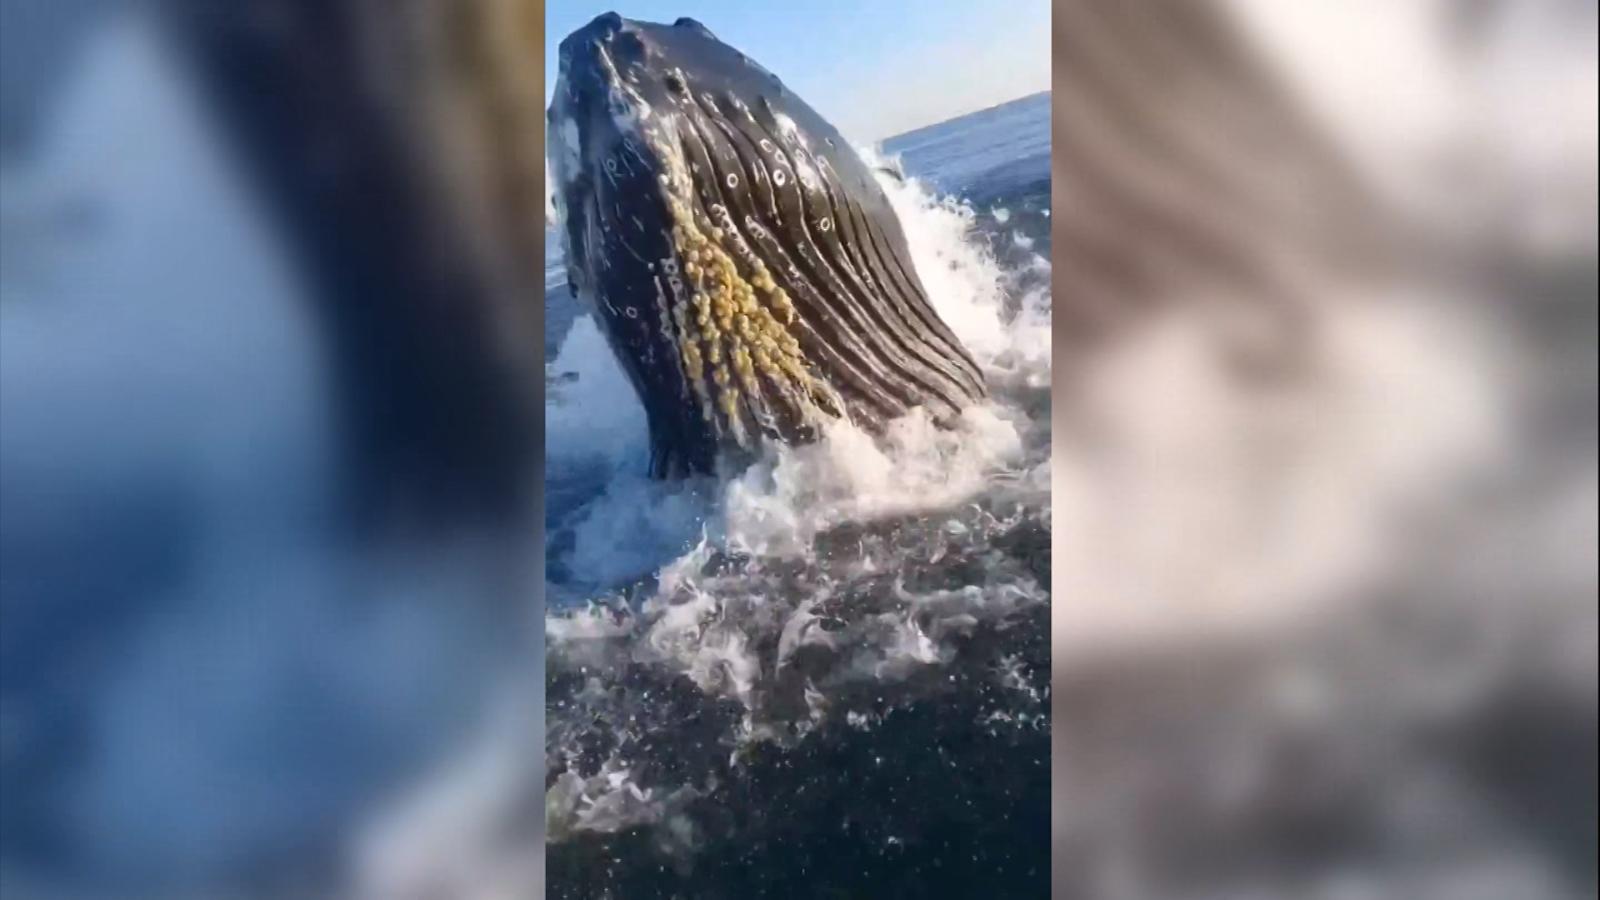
(1009, 336)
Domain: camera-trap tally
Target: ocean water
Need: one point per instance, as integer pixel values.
(828, 675)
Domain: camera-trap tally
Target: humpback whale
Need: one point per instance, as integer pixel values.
(742, 261)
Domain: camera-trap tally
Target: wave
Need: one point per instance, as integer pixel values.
(823, 587)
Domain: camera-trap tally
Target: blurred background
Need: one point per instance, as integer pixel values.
(1324, 490)
(269, 565)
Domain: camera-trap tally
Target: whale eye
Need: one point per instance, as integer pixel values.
(674, 82)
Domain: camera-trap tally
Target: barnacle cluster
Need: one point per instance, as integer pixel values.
(733, 322)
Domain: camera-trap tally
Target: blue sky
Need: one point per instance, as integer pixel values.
(875, 68)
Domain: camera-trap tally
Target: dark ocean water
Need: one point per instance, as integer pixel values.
(829, 678)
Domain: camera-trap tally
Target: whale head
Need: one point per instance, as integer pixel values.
(742, 261)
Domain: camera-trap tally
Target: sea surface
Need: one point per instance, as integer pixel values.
(829, 675)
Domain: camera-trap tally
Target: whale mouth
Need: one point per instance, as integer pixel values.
(743, 262)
